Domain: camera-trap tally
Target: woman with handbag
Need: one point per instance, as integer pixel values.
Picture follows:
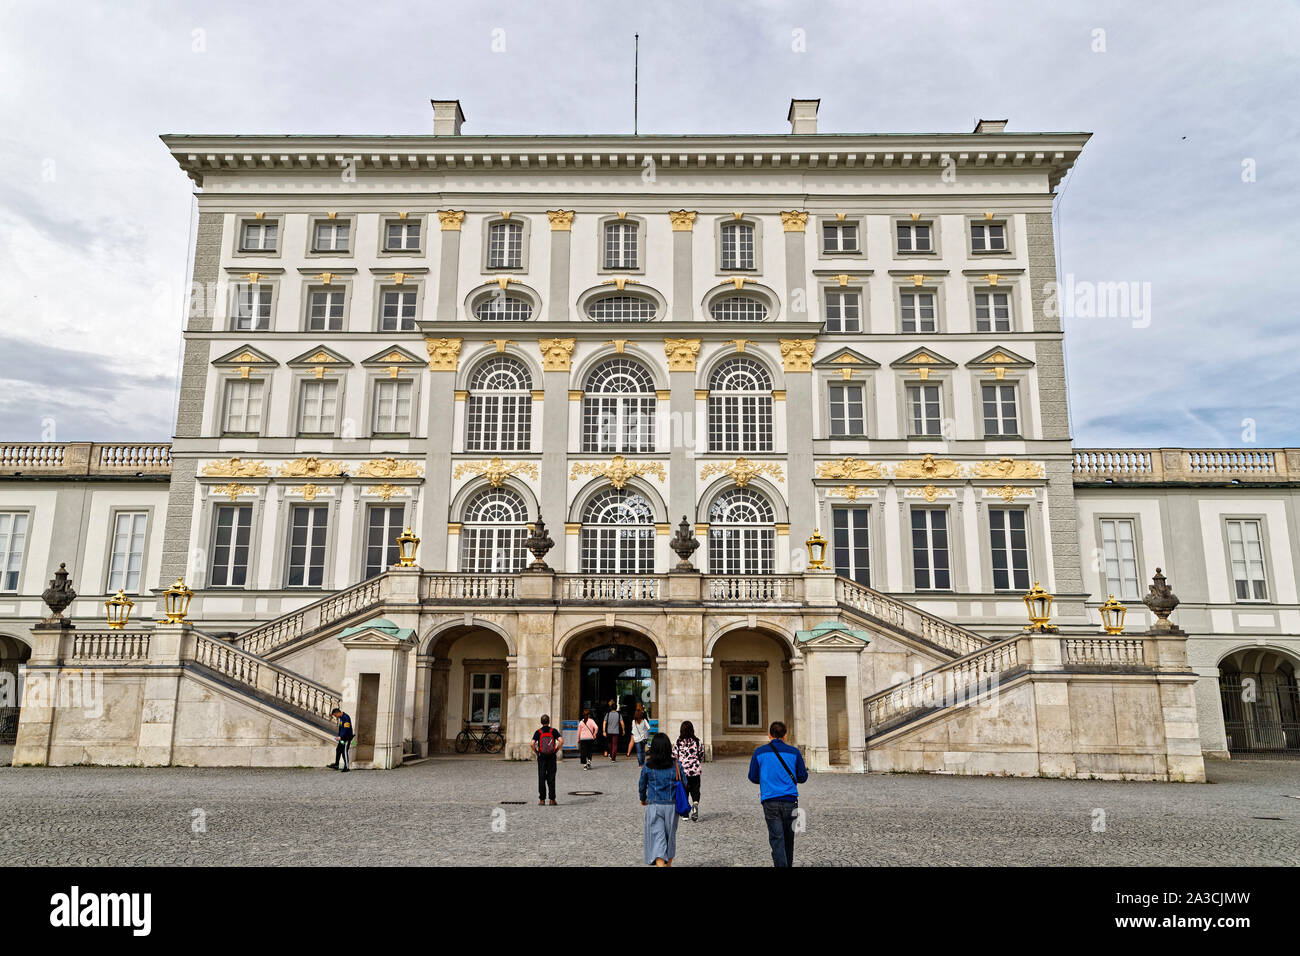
(658, 790)
(689, 753)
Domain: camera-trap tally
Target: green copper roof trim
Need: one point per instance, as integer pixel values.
(826, 627)
(380, 624)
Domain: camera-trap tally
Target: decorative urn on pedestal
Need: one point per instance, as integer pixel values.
(538, 543)
(1161, 600)
(684, 545)
(57, 597)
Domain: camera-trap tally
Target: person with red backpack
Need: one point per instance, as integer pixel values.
(546, 744)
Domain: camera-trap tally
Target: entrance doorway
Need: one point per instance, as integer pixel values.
(618, 673)
(1261, 703)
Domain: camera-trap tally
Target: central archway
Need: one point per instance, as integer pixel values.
(610, 663)
(1260, 696)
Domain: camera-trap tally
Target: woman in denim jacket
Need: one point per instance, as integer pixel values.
(657, 787)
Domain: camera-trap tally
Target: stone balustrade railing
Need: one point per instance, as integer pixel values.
(599, 587)
(1103, 651)
(754, 588)
(110, 646)
(944, 686)
(329, 610)
(86, 458)
(1185, 465)
(265, 678)
(904, 617)
(469, 587)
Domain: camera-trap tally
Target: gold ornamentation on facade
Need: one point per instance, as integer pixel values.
(842, 278)
(915, 216)
(619, 345)
(504, 281)
(988, 215)
(618, 470)
(233, 490)
(850, 469)
(840, 216)
(1008, 468)
(681, 354)
(259, 215)
(389, 468)
(851, 492)
(556, 354)
(327, 277)
(918, 278)
(742, 470)
(927, 467)
(505, 215)
(738, 282)
(308, 491)
(737, 216)
(311, 468)
(451, 219)
(236, 468)
(797, 354)
(402, 216)
(386, 491)
(992, 278)
(496, 471)
(683, 220)
(444, 354)
(794, 221)
(502, 343)
(561, 219)
(929, 493)
(254, 276)
(1008, 493)
(399, 277)
(738, 343)
(620, 281)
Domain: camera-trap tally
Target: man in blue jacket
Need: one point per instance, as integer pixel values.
(778, 769)
(343, 741)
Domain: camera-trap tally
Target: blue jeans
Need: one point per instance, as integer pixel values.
(779, 815)
(640, 753)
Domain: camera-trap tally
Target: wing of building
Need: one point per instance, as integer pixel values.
(698, 365)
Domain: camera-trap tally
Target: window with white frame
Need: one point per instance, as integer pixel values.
(1119, 558)
(916, 311)
(1009, 541)
(622, 308)
(259, 235)
(742, 533)
(930, 568)
(493, 531)
(1246, 553)
(620, 245)
(252, 307)
(737, 245)
(924, 410)
(499, 416)
(839, 237)
(843, 310)
(618, 534)
(331, 235)
(618, 408)
(499, 307)
(232, 527)
(325, 310)
(848, 409)
(485, 698)
(308, 525)
(383, 525)
(740, 407)
(999, 403)
(127, 558)
(13, 541)
(318, 401)
(850, 544)
(505, 245)
(397, 310)
(393, 406)
(738, 308)
(915, 237)
(988, 237)
(744, 700)
(402, 235)
(242, 407)
(992, 311)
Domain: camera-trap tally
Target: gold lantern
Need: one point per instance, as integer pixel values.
(176, 602)
(1112, 616)
(119, 610)
(1039, 604)
(407, 544)
(816, 550)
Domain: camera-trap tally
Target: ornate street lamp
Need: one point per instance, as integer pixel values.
(1039, 604)
(1112, 616)
(119, 610)
(176, 602)
(407, 543)
(816, 545)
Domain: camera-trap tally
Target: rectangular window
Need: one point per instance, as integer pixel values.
(915, 237)
(620, 245)
(325, 310)
(485, 698)
(744, 696)
(128, 552)
(318, 407)
(393, 407)
(917, 311)
(383, 525)
(1119, 558)
(13, 540)
(613, 550)
(232, 528)
(924, 410)
(330, 235)
(848, 409)
(243, 407)
(843, 311)
(1246, 552)
(992, 311)
(740, 423)
(259, 235)
(850, 545)
(402, 235)
(499, 422)
(252, 307)
(737, 246)
(397, 310)
(741, 550)
(988, 237)
(839, 237)
(1009, 540)
(505, 245)
(999, 403)
(930, 549)
(307, 528)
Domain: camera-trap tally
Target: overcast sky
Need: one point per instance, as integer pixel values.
(1189, 187)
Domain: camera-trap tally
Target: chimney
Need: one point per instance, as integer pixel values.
(991, 126)
(447, 117)
(803, 116)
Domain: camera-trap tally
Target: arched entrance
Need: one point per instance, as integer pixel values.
(469, 681)
(751, 685)
(611, 663)
(1261, 702)
(13, 653)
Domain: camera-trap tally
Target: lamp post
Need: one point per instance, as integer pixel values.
(407, 544)
(118, 608)
(176, 602)
(816, 545)
(1039, 604)
(1112, 616)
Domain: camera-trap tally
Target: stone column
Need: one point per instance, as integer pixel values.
(556, 358)
(170, 645)
(799, 440)
(444, 359)
(705, 733)
(40, 694)
(532, 675)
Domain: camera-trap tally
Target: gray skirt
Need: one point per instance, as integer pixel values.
(660, 832)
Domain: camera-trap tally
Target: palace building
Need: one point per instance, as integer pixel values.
(741, 428)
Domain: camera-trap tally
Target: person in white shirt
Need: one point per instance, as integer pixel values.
(640, 735)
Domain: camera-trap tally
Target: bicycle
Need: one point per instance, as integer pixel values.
(485, 740)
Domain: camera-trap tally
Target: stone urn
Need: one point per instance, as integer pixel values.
(684, 545)
(1161, 600)
(57, 597)
(538, 543)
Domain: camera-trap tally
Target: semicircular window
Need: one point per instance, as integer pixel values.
(738, 308)
(503, 308)
(622, 308)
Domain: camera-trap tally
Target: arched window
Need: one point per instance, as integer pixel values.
(618, 408)
(618, 534)
(742, 533)
(740, 407)
(500, 406)
(621, 308)
(499, 307)
(493, 533)
(738, 308)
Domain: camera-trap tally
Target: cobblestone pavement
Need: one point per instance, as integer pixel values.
(442, 812)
